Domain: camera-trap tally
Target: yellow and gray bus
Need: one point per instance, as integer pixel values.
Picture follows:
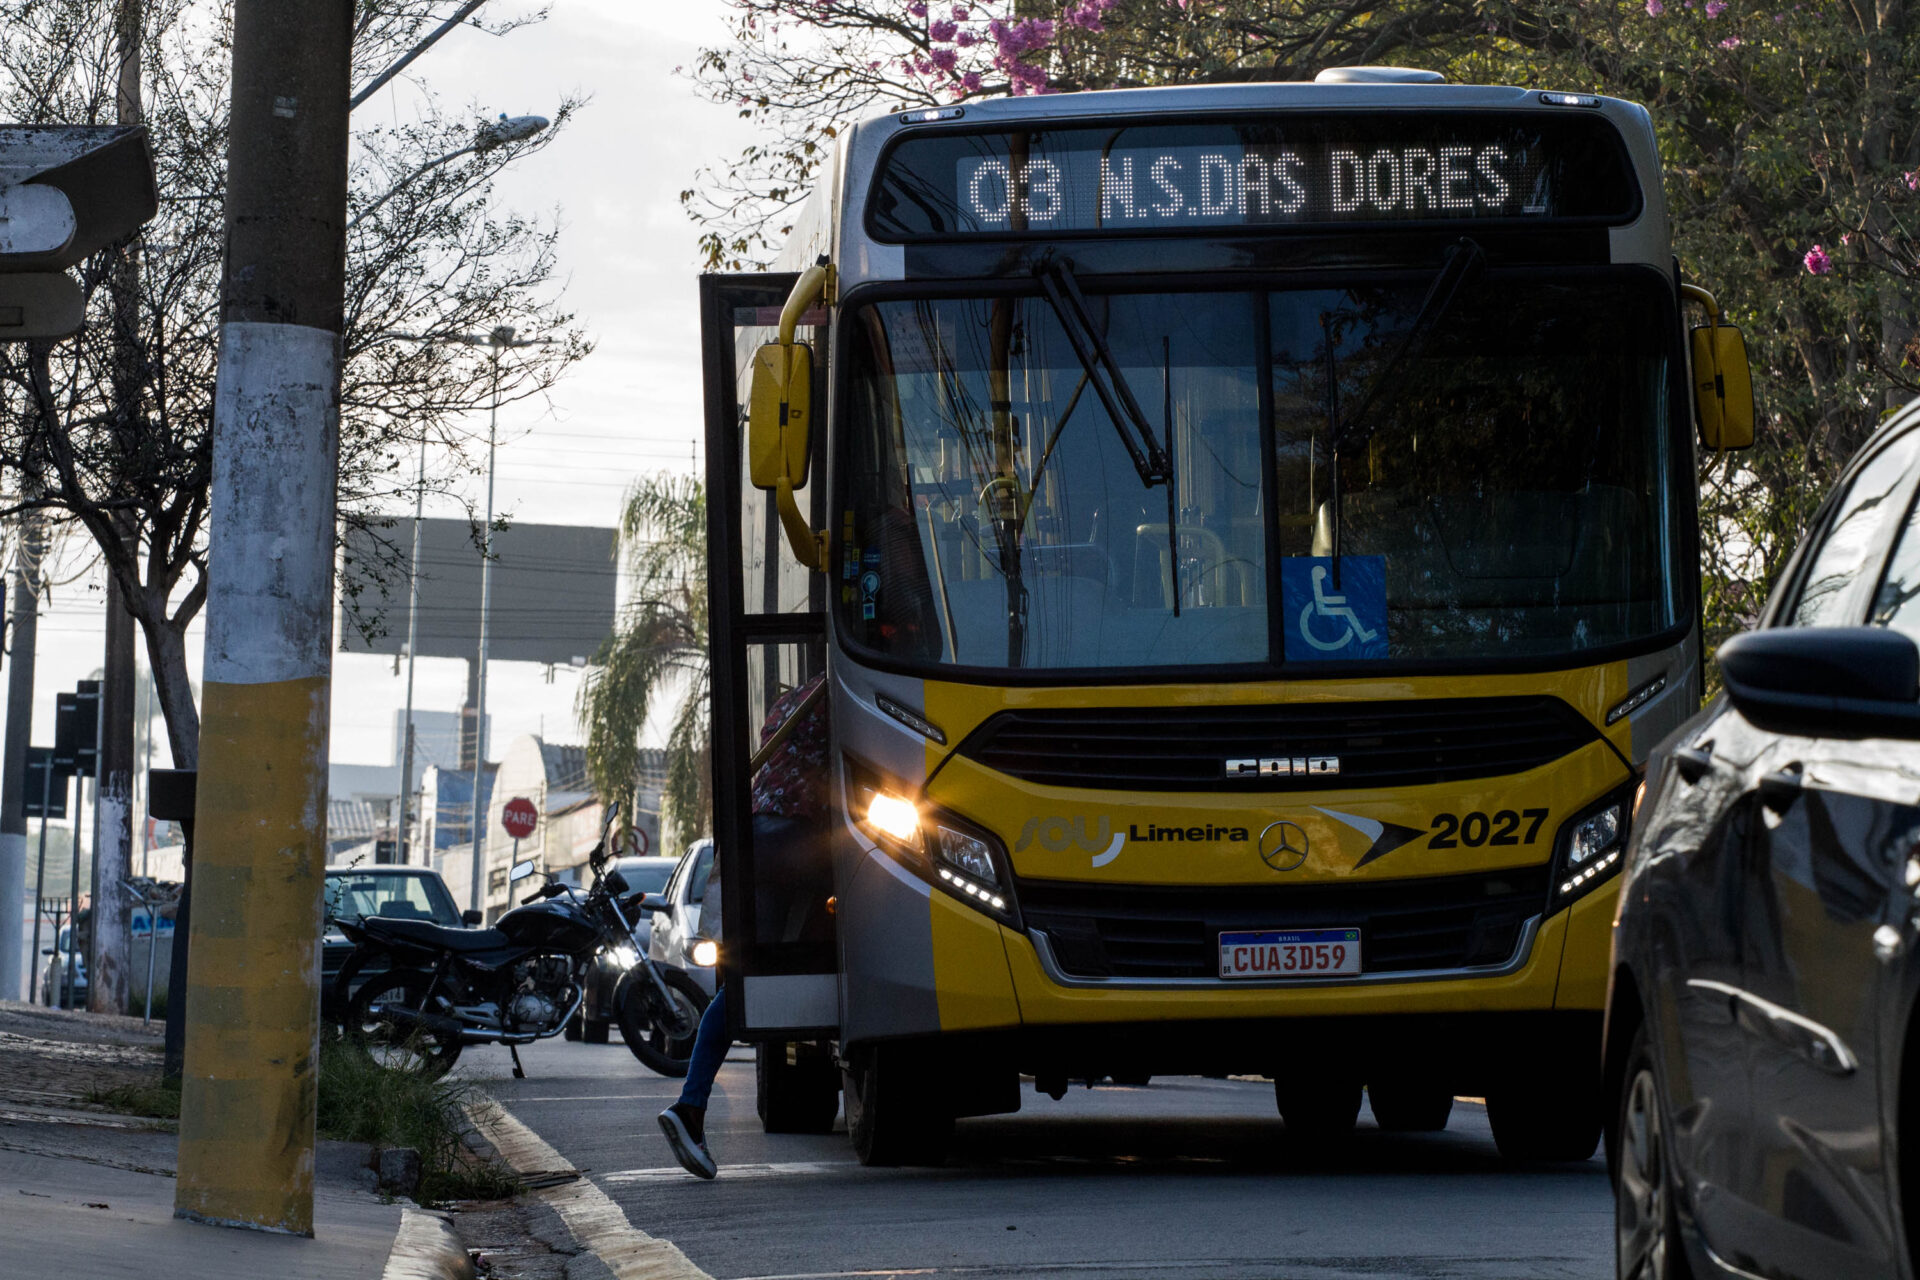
(1248, 534)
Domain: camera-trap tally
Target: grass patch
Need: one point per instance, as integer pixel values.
(362, 1101)
(157, 1100)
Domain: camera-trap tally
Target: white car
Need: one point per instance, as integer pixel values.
(676, 936)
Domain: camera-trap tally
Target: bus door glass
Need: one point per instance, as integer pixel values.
(766, 623)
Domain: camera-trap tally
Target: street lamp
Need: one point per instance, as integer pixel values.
(485, 138)
(498, 342)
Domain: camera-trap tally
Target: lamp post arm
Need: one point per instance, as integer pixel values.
(390, 192)
(400, 64)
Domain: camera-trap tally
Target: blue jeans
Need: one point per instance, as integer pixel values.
(710, 1047)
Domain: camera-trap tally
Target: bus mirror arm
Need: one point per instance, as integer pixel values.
(779, 417)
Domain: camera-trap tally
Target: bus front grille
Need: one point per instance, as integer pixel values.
(1141, 931)
(1373, 744)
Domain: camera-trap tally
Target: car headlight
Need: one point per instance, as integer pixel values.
(1590, 849)
(955, 855)
(624, 956)
(705, 953)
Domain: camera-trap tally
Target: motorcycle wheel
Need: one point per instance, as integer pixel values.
(393, 1043)
(636, 1003)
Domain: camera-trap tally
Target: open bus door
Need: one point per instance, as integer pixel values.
(767, 634)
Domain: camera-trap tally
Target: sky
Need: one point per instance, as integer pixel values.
(630, 259)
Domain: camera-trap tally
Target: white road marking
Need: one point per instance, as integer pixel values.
(597, 1223)
(674, 1173)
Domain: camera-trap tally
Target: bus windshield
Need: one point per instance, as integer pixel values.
(1506, 494)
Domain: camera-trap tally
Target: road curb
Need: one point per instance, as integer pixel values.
(598, 1224)
(426, 1248)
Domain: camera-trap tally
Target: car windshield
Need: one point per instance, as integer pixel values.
(405, 896)
(649, 876)
(1505, 491)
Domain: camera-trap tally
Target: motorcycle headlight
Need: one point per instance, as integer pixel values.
(705, 953)
(624, 956)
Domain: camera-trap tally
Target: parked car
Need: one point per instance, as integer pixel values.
(676, 931)
(1763, 1051)
(382, 889)
(594, 1022)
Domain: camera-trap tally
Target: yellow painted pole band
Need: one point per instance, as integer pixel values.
(250, 1082)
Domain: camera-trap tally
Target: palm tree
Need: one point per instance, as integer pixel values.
(657, 653)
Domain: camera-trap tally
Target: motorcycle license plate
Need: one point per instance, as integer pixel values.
(1297, 953)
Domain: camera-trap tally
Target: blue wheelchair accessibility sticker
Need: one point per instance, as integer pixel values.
(1326, 623)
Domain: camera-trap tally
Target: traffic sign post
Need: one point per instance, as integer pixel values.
(518, 817)
(42, 770)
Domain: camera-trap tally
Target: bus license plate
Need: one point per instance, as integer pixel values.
(1299, 953)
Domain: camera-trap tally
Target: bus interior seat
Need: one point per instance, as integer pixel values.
(1221, 578)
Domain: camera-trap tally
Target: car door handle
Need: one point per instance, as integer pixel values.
(1780, 789)
(1693, 762)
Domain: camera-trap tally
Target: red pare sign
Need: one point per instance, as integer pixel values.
(519, 817)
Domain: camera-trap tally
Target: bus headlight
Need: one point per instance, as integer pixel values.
(893, 816)
(965, 860)
(1591, 848)
(705, 953)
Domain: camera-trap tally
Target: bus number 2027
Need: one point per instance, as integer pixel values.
(1451, 830)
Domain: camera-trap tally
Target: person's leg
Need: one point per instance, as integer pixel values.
(710, 1047)
(685, 1122)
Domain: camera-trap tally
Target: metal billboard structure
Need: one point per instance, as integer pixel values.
(553, 591)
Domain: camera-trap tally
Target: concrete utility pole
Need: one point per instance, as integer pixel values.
(253, 997)
(109, 961)
(13, 756)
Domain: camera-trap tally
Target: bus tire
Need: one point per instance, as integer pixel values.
(1532, 1122)
(1320, 1111)
(890, 1110)
(799, 1096)
(596, 1030)
(1410, 1106)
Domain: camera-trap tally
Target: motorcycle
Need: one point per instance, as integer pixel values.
(518, 982)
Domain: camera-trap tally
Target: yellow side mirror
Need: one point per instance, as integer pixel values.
(1722, 387)
(1722, 378)
(779, 411)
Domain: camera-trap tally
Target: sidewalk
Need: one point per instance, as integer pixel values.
(86, 1194)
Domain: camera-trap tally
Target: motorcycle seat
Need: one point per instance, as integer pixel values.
(424, 933)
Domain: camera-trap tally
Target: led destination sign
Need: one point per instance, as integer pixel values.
(1143, 187)
(1196, 176)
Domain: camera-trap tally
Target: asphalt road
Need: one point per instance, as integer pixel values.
(1185, 1179)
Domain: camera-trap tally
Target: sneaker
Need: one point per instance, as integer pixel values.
(685, 1128)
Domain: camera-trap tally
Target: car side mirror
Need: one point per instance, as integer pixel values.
(1833, 682)
(521, 870)
(471, 918)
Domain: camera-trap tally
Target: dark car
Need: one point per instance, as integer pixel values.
(594, 1022)
(1762, 1049)
(399, 893)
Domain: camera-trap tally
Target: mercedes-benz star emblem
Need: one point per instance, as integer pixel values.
(1283, 846)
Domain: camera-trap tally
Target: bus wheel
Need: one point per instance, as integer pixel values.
(1320, 1111)
(891, 1113)
(797, 1088)
(1530, 1122)
(1408, 1106)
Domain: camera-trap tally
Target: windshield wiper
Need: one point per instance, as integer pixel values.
(1465, 261)
(1070, 306)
